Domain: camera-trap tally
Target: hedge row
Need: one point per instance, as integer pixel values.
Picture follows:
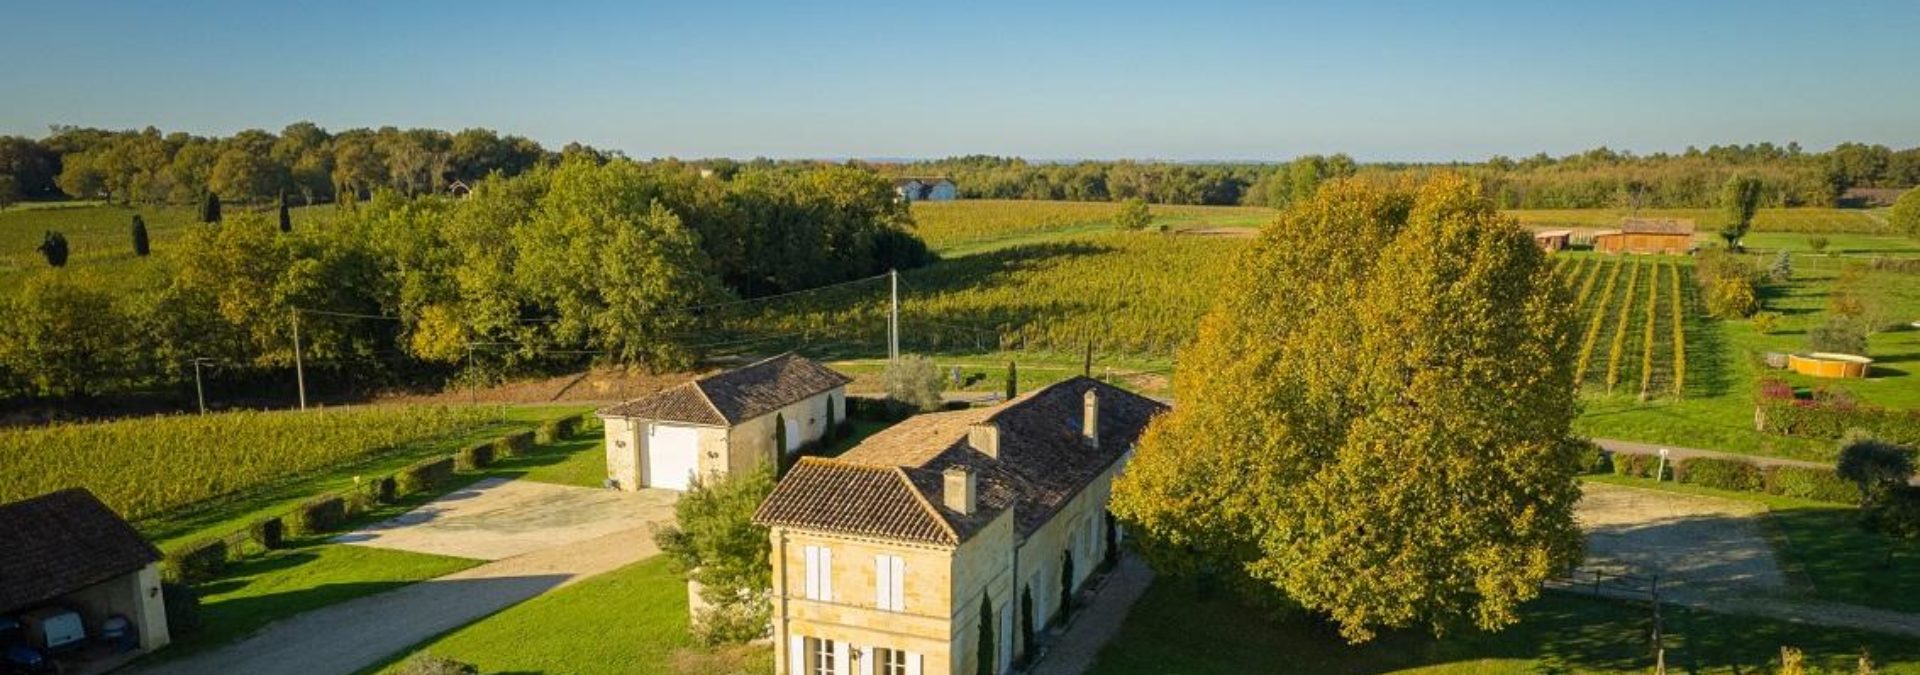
(321, 514)
(1817, 419)
(1817, 483)
(517, 444)
(474, 457)
(196, 561)
(424, 475)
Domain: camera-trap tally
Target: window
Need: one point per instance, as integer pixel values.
(819, 573)
(820, 657)
(889, 662)
(889, 582)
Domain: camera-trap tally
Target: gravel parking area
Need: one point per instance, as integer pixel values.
(1697, 546)
(497, 518)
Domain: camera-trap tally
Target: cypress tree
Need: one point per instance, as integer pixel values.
(986, 636)
(780, 434)
(1086, 369)
(140, 236)
(1013, 380)
(286, 218)
(210, 209)
(54, 247)
(833, 422)
(1066, 585)
(1026, 619)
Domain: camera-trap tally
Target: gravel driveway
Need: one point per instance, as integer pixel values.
(497, 518)
(1696, 545)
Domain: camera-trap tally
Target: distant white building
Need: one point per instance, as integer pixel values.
(925, 189)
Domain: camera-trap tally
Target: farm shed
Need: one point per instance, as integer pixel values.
(68, 550)
(1668, 235)
(925, 189)
(722, 423)
(1553, 240)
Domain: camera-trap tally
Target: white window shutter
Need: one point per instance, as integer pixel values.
(882, 582)
(897, 592)
(813, 573)
(866, 660)
(826, 574)
(913, 663)
(840, 661)
(797, 655)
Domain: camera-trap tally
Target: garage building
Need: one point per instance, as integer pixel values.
(728, 422)
(66, 550)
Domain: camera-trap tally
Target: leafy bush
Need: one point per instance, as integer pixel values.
(428, 664)
(1838, 335)
(1593, 458)
(1833, 418)
(915, 381)
(1809, 482)
(556, 430)
(1720, 473)
(516, 444)
(1133, 214)
(269, 532)
(1818, 244)
(195, 562)
(423, 475)
(877, 409)
(383, 489)
(1638, 465)
(1874, 466)
(1765, 323)
(321, 514)
(1782, 269)
(476, 457)
(715, 542)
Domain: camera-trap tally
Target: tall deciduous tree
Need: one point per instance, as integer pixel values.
(1378, 424)
(1133, 214)
(713, 541)
(1905, 214)
(1739, 200)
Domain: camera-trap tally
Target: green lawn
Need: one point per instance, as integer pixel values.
(308, 575)
(1173, 631)
(1824, 549)
(234, 513)
(631, 620)
(99, 238)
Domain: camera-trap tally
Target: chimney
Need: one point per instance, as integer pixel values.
(960, 490)
(985, 437)
(1090, 420)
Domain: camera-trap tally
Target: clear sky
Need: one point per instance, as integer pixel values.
(1435, 80)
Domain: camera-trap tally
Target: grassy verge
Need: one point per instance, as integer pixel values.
(631, 620)
(1824, 545)
(1174, 631)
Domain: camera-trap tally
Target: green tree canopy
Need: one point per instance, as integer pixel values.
(1133, 214)
(1905, 214)
(1739, 200)
(1379, 424)
(714, 542)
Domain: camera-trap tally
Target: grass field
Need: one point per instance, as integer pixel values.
(100, 240)
(967, 226)
(631, 620)
(1173, 631)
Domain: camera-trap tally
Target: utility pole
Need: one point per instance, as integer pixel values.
(893, 318)
(299, 366)
(473, 396)
(199, 392)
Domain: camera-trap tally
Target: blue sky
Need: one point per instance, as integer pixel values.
(1170, 80)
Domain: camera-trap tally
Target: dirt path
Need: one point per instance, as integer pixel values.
(1074, 651)
(352, 635)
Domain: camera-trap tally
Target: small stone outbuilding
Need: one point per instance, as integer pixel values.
(66, 549)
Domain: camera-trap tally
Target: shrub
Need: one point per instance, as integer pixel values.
(1133, 214)
(383, 489)
(428, 664)
(1765, 323)
(1832, 419)
(516, 444)
(476, 457)
(1782, 269)
(1874, 466)
(1818, 244)
(54, 247)
(1638, 465)
(269, 533)
(915, 381)
(183, 608)
(877, 409)
(1838, 335)
(554, 431)
(321, 514)
(737, 623)
(1732, 299)
(195, 562)
(423, 475)
(1719, 473)
(1593, 458)
(1809, 482)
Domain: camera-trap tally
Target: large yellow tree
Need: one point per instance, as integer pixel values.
(1372, 422)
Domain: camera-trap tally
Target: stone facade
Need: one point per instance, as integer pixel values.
(721, 450)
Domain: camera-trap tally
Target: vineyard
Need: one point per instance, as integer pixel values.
(145, 467)
(1634, 316)
(1795, 220)
(946, 225)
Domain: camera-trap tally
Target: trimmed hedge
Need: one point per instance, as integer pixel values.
(1638, 465)
(1593, 458)
(516, 444)
(382, 489)
(1806, 482)
(196, 561)
(423, 475)
(317, 515)
(475, 457)
(554, 431)
(1719, 473)
(269, 533)
(1781, 413)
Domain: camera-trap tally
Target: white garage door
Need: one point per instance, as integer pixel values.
(673, 454)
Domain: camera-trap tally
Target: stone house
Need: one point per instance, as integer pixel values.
(884, 556)
(925, 189)
(722, 423)
(67, 550)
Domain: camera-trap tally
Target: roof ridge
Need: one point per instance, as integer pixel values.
(906, 481)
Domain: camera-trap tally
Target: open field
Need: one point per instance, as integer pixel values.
(633, 620)
(99, 238)
(1176, 631)
(960, 226)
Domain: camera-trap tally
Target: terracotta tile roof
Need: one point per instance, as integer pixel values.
(1041, 465)
(734, 396)
(1656, 226)
(853, 499)
(61, 542)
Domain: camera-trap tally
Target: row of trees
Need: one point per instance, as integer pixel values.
(622, 262)
(1600, 178)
